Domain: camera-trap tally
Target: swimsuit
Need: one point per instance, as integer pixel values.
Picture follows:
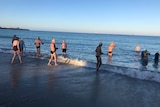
(37, 46)
(109, 52)
(52, 52)
(64, 50)
(15, 48)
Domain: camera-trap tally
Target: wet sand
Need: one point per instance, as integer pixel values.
(34, 84)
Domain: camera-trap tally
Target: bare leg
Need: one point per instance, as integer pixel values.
(50, 60)
(14, 55)
(38, 51)
(55, 58)
(99, 62)
(19, 56)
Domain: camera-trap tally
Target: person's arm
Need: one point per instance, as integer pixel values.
(101, 51)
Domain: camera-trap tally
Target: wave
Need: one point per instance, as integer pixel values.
(138, 73)
(76, 62)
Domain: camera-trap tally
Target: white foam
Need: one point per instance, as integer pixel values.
(134, 73)
(71, 61)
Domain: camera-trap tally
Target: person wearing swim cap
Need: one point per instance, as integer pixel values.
(53, 53)
(98, 56)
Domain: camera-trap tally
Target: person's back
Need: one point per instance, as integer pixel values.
(15, 43)
(98, 51)
(16, 50)
(22, 45)
(156, 58)
(145, 54)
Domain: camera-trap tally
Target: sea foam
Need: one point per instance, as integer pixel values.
(76, 62)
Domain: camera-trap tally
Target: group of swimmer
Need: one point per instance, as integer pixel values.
(144, 54)
(18, 46)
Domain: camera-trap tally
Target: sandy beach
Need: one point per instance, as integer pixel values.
(34, 84)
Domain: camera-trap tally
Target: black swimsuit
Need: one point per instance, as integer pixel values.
(37, 46)
(52, 52)
(15, 48)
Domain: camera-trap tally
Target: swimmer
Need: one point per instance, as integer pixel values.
(53, 52)
(110, 50)
(64, 47)
(21, 45)
(38, 43)
(16, 50)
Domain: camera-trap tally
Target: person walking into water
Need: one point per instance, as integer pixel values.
(98, 56)
(16, 50)
(22, 45)
(53, 52)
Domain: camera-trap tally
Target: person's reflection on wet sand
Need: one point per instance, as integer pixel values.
(96, 89)
(15, 74)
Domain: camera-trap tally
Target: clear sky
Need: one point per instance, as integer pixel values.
(92, 16)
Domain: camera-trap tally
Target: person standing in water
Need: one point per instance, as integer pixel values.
(53, 52)
(21, 45)
(144, 57)
(16, 50)
(110, 49)
(38, 43)
(98, 56)
(156, 57)
(64, 47)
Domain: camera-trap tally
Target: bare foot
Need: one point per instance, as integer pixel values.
(49, 64)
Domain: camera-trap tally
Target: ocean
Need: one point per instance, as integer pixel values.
(81, 50)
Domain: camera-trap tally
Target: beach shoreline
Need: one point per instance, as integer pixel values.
(34, 84)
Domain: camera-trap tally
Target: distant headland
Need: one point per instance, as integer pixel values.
(13, 28)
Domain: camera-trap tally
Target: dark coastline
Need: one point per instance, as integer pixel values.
(13, 28)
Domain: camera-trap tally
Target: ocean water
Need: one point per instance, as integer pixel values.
(81, 50)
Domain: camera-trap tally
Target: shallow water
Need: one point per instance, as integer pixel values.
(81, 50)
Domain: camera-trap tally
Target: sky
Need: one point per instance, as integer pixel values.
(135, 17)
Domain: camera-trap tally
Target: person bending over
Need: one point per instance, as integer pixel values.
(16, 50)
